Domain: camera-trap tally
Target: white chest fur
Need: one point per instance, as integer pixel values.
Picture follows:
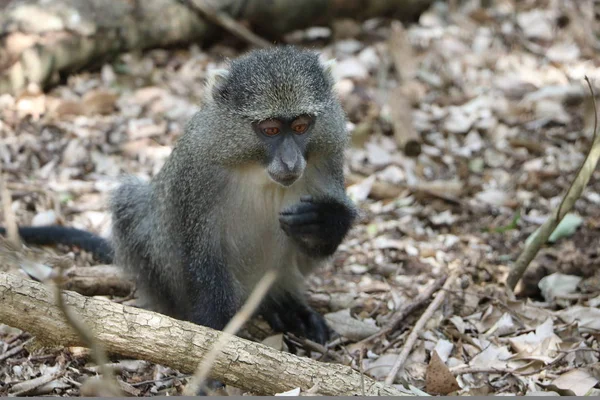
(254, 240)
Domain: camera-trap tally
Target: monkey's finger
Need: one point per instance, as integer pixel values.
(299, 219)
(275, 321)
(299, 209)
(296, 325)
(285, 228)
(304, 233)
(307, 230)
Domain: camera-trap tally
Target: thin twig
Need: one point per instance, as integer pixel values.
(227, 23)
(15, 350)
(112, 387)
(16, 337)
(314, 346)
(243, 315)
(26, 387)
(362, 372)
(26, 187)
(400, 315)
(414, 334)
(166, 378)
(12, 231)
(573, 193)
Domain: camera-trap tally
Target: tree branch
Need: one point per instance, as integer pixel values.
(573, 193)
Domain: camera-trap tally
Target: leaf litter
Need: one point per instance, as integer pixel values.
(497, 107)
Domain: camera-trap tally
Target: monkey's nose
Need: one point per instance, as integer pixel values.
(289, 161)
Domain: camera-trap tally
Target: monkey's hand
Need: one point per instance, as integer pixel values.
(317, 226)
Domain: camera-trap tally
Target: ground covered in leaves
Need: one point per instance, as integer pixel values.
(501, 118)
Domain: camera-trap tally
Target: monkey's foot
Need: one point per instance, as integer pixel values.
(210, 387)
(306, 323)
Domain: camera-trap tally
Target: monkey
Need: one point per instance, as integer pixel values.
(255, 182)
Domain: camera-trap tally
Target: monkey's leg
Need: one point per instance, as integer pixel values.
(209, 299)
(317, 226)
(287, 312)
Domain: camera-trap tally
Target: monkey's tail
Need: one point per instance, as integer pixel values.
(56, 234)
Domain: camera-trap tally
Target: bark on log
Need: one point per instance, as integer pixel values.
(44, 39)
(99, 280)
(141, 334)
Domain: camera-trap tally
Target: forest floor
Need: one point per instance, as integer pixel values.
(499, 102)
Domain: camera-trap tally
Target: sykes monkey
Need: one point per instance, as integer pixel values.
(255, 182)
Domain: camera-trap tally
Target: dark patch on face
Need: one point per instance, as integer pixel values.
(287, 133)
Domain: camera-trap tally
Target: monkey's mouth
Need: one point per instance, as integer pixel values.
(284, 180)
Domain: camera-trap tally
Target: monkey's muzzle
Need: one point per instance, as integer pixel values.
(285, 179)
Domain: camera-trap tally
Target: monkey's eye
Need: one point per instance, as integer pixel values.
(300, 128)
(271, 131)
(300, 124)
(270, 127)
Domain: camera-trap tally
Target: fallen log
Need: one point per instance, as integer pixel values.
(43, 40)
(141, 334)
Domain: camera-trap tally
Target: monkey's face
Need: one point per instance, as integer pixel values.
(275, 107)
(285, 140)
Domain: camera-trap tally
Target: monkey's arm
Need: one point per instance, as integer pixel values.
(318, 225)
(55, 234)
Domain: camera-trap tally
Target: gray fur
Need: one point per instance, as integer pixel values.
(202, 233)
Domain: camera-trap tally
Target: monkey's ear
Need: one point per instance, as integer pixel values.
(328, 67)
(214, 82)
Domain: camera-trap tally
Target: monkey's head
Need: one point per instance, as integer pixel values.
(279, 109)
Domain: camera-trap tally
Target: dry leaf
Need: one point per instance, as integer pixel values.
(539, 345)
(99, 102)
(350, 68)
(44, 218)
(586, 317)
(360, 191)
(438, 378)
(69, 107)
(276, 342)
(536, 24)
(557, 284)
(293, 392)
(381, 367)
(443, 348)
(402, 52)
(443, 189)
(405, 134)
(145, 128)
(577, 382)
(351, 328)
